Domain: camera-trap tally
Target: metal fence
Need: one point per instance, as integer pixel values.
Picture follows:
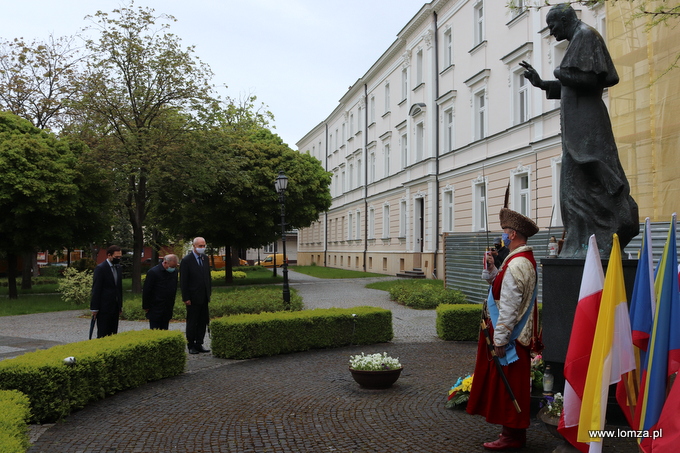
(464, 254)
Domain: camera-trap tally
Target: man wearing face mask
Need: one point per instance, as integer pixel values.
(194, 281)
(501, 251)
(106, 303)
(158, 295)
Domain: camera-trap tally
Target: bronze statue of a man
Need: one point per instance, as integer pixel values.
(594, 192)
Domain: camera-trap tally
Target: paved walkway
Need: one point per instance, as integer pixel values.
(302, 402)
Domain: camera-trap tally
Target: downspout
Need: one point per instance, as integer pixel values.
(325, 234)
(436, 148)
(366, 107)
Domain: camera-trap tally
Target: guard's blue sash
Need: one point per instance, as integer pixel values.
(510, 352)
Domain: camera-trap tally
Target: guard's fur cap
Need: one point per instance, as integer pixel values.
(518, 222)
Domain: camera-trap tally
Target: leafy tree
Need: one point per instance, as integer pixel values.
(40, 197)
(38, 79)
(141, 91)
(237, 205)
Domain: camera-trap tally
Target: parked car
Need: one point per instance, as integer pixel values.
(269, 261)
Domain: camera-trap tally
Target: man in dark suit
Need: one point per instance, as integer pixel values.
(194, 280)
(158, 295)
(106, 304)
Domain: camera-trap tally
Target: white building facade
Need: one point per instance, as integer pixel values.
(426, 142)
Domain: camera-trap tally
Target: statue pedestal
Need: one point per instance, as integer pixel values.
(561, 286)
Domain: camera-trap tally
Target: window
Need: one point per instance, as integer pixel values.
(524, 195)
(358, 230)
(360, 120)
(344, 133)
(336, 187)
(360, 173)
(480, 114)
(419, 67)
(350, 179)
(404, 83)
(387, 97)
(448, 130)
(521, 94)
(519, 8)
(351, 124)
(336, 138)
(371, 167)
(448, 48)
(386, 151)
(371, 223)
(420, 141)
(447, 207)
(556, 166)
(402, 219)
(372, 111)
(343, 182)
(331, 139)
(479, 206)
(404, 151)
(479, 22)
(350, 227)
(386, 222)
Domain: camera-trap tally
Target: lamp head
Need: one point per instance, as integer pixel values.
(281, 182)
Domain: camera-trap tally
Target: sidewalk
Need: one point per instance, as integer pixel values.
(302, 402)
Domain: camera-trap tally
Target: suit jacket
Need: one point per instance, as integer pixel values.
(194, 279)
(158, 295)
(107, 295)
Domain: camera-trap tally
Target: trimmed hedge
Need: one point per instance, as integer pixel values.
(103, 366)
(14, 415)
(425, 295)
(233, 302)
(461, 322)
(266, 334)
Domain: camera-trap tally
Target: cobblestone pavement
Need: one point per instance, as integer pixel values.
(302, 402)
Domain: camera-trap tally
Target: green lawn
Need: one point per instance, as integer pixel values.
(330, 272)
(29, 303)
(414, 283)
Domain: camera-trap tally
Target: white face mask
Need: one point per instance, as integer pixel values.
(171, 269)
(200, 250)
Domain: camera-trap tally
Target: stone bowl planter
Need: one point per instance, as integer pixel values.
(376, 379)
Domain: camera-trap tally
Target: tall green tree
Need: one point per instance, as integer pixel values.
(141, 92)
(41, 200)
(38, 79)
(237, 205)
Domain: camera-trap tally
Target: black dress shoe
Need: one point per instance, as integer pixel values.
(200, 348)
(193, 350)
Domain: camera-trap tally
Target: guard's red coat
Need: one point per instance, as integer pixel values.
(488, 396)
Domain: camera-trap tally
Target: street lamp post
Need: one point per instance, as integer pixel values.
(281, 185)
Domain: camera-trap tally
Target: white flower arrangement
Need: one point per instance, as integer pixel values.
(373, 362)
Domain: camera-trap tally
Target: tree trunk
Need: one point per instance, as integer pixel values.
(228, 268)
(26, 270)
(137, 210)
(12, 275)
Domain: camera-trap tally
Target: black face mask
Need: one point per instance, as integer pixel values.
(498, 246)
(115, 261)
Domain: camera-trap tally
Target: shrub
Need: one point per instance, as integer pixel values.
(425, 296)
(76, 286)
(103, 366)
(266, 334)
(460, 322)
(15, 413)
(236, 301)
(220, 275)
(52, 271)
